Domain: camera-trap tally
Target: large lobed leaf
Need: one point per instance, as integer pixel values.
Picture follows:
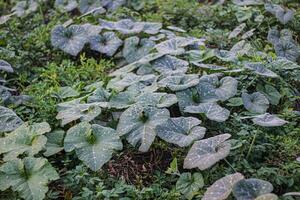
(9, 121)
(93, 144)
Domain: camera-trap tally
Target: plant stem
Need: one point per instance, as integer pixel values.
(230, 165)
(251, 145)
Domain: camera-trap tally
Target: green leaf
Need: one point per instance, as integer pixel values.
(93, 144)
(221, 189)
(181, 130)
(181, 82)
(138, 123)
(189, 184)
(173, 169)
(250, 189)
(55, 142)
(9, 121)
(27, 139)
(236, 101)
(206, 153)
(28, 177)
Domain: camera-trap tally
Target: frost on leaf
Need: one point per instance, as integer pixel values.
(268, 120)
(106, 43)
(211, 110)
(28, 177)
(188, 184)
(169, 65)
(93, 144)
(69, 39)
(138, 123)
(136, 48)
(74, 110)
(250, 189)
(23, 8)
(282, 64)
(206, 153)
(179, 82)
(90, 5)
(156, 99)
(181, 131)
(54, 142)
(123, 100)
(260, 69)
(256, 102)
(5, 66)
(284, 15)
(176, 46)
(9, 121)
(27, 139)
(287, 49)
(221, 189)
(236, 31)
(66, 5)
(124, 26)
(248, 2)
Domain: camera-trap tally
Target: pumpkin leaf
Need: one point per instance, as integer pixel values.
(138, 123)
(5, 66)
(26, 139)
(85, 6)
(205, 153)
(24, 8)
(74, 110)
(237, 30)
(54, 142)
(260, 69)
(211, 110)
(66, 5)
(69, 39)
(9, 121)
(250, 189)
(93, 144)
(106, 43)
(268, 120)
(28, 177)
(181, 131)
(180, 82)
(256, 102)
(248, 2)
(189, 184)
(267, 197)
(169, 65)
(287, 49)
(160, 100)
(221, 189)
(136, 48)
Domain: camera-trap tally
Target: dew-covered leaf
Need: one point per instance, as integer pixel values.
(23, 8)
(237, 30)
(138, 123)
(221, 189)
(74, 110)
(205, 153)
(28, 177)
(106, 43)
(250, 189)
(26, 139)
(175, 46)
(268, 120)
(170, 65)
(5, 66)
(255, 102)
(55, 142)
(260, 69)
(66, 5)
(287, 49)
(69, 39)
(211, 110)
(181, 82)
(135, 48)
(189, 184)
(89, 5)
(93, 144)
(9, 121)
(248, 2)
(160, 100)
(181, 130)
